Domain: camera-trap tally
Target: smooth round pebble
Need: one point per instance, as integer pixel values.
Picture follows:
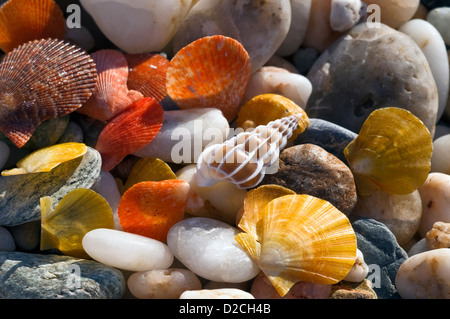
(208, 248)
(6, 240)
(162, 283)
(435, 195)
(425, 275)
(304, 59)
(27, 236)
(4, 153)
(126, 251)
(214, 205)
(106, 186)
(440, 19)
(400, 213)
(224, 293)
(419, 247)
(440, 159)
(359, 270)
(395, 12)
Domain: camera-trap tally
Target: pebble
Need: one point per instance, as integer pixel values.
(48, 133)
(262, 289)
(27, 236)
(185, 134)
(331, 137)
(304, 59)
(224, 293)
(442, 128)
(271, 79)
(430, 41)
(395, 12)
(107, 187)
(6, 240)
(419, 247)
(195, 240)
(353, 290)
(381, 253)
(440, 19)
(162, 284)
(309, 169)
(80, 36)
(20, 200)
(300, 10)
(440, 159)
(363, 71)
(260, 26)
(438, 236)
(126, 251)
(345, 14)
(359, 270)
(4, 153)
(37, 276)
(124, 22)
(400, 213)
(425, 275)
(435, 195)
(212, 196)
(73, 133)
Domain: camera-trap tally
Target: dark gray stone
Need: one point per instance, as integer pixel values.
(36, 276)
(20, 194)
(331, 137)
(309, 169)
(380, 249)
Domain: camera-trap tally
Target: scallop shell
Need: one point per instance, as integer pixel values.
(41, 80)
(47, 158)
(22, 21)
(79, 212)
(245, 158)
(151, 208)
(147, 74)
(392, 152)
(149, 169)
(299, 238)
(129, 131)
(209, 72)
(264, 108)
(111, 91)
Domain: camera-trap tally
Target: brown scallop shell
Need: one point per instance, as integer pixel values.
(22, 21)
(41, 80)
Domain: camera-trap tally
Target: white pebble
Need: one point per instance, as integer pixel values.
(359, 271)
(224, 293)
(6, 240)
(425, 275)
(162, 284)
(208, 248)
(4, 153)
(344, 14)
(126, 251)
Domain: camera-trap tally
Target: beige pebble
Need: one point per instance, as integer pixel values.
(435, 194)
(223, 293)
(162, 284)
(425, 275)
(439, 236)
(359, 271)
(421, 12)
(400, 213)
(395, 12)
(440, 160)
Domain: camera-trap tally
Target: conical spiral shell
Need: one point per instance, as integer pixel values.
(245, 158)
(41, 80)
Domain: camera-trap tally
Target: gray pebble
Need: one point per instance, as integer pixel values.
(6, 240)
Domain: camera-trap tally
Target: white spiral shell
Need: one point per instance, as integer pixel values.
(245, 158)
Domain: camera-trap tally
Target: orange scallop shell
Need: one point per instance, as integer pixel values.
(209, 72)
(147, 74)
(41, 80)
(129, 131)
(150, 208)
(22, 21)
(111, 93)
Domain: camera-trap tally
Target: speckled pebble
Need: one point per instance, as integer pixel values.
(438, 236)
(425, 275)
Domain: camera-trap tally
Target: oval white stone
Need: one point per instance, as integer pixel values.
(425, 275)
(126, 251)
(224, 293)
(208, 248)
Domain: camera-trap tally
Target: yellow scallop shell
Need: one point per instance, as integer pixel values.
(79, 212)
(264, 108)
(392, 152)
(47, 158)
(299, 238)
(149, 169)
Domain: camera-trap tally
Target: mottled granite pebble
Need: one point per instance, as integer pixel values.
(382, 254)
(20, 194)
(309, 169)
(36, 276)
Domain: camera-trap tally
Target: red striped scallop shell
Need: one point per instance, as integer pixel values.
(209, 72)
(41, 80)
